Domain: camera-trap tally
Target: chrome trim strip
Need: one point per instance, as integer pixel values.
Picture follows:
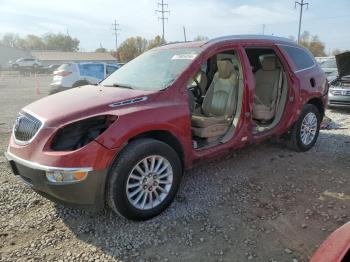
(23, 143)
(129, 101)
(33, 165)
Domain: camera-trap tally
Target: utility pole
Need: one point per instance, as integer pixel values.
(301, 14)
(185, 34)
(115, 28)
(162, 17)
(263, 29)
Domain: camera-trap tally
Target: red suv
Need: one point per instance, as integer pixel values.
(128, 140)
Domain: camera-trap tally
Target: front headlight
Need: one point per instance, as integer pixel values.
(65, 176)
(80, 133)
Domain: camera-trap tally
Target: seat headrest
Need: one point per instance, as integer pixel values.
(268, 62)
(225, 68)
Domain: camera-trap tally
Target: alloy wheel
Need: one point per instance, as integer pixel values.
(308, 128)
(149, 182)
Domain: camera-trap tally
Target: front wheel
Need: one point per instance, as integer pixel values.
(144, 179)
(305, 131)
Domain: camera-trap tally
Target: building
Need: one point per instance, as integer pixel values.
(11, 53)
(51, 57)
(55, 57)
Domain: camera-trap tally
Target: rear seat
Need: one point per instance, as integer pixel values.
(267, 81)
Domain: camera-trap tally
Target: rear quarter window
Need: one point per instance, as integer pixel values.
(300, 57)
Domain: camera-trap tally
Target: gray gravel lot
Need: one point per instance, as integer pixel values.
(262, 203)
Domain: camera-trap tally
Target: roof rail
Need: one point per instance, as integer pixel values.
(252, 37)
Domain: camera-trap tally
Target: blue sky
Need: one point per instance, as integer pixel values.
(90, 21)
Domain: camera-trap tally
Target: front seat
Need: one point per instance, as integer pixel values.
(267, 81)
(218, 104)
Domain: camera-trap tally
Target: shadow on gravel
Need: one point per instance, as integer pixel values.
(223, 192)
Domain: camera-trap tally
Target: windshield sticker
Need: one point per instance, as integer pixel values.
(184, 56)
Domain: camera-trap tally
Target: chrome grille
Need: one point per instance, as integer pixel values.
(340, 92)
(25, 128)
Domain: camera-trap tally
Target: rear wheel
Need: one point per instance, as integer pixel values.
(144, 179)
(305, 131)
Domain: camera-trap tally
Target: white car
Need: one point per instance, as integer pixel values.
(26, 63)
(70, 75)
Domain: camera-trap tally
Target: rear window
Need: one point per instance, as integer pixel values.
(110, 69)
(300, 57)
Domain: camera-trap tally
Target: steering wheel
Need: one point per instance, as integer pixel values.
(196, 90)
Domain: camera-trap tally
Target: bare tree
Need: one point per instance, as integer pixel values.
(313, 43)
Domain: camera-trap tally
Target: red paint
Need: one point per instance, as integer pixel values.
(166, 110)
(335, 247)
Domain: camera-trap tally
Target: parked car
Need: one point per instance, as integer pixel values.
(339, 90)
(25, 63)
(336, 248)
(70, 75)
(329, 66)
(128, 140)
(49, 69)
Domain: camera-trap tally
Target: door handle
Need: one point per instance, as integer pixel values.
(312, 82)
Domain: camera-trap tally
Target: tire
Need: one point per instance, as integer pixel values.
(123, 200)
(297, 141)
(80, 83)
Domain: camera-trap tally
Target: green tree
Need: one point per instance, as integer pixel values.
(61, 42)
(32, 42)
(131, 48)
(10, 40)
(101, 50)
(58, 42)
(157, 41)
(313, 43)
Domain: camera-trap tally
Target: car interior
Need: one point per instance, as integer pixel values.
(271, 87)
(215, 94)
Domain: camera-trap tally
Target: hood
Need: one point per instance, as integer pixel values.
(81, 102)
(343, 63)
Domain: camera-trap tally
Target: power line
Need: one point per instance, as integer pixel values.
(162, 17)
(301, 14)
(115, 28)
(185, 34)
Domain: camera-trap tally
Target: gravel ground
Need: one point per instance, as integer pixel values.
(262, 203)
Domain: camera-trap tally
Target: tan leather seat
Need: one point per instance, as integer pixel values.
(218, 104)
(267, 81)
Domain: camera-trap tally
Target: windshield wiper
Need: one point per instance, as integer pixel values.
(120, 85)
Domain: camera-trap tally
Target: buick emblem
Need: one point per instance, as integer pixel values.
(343, 92)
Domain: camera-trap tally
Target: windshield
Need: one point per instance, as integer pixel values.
(153, 70)
(329, 64)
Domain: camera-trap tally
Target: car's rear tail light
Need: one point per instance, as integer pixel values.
(62, 73)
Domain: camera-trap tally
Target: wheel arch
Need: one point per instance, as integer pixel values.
(317, 101)
(166, 137)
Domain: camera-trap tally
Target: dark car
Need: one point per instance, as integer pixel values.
(127, 141)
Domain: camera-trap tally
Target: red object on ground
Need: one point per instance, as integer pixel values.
(336, 248)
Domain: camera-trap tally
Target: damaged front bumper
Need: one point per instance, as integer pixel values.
(76, 187)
